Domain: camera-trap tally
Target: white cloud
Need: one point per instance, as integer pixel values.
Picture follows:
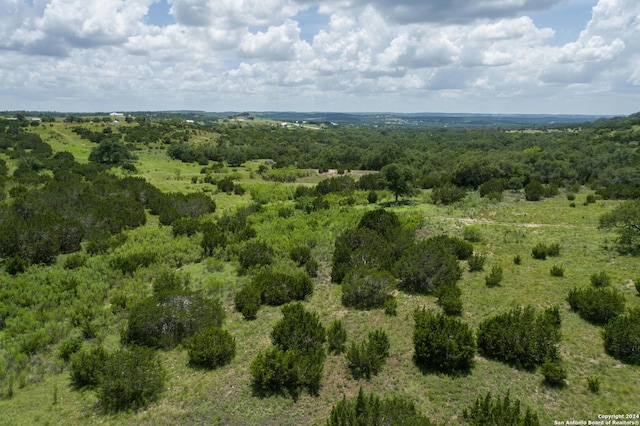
(277, 43)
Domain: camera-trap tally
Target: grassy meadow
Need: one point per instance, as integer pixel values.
(42, 394)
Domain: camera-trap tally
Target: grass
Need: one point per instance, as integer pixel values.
(223, 396)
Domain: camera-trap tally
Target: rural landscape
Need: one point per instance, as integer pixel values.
(244, 269)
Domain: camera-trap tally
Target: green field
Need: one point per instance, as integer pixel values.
(42, 393)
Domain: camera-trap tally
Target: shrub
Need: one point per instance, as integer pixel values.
(571, 197)
(128, 264)
(69, 347)
(300, 254)
(591, 199)
(476, 263)
(494, 278)
(554, 373)
(165, 321)
(16, 265)
(391, 307)
(213, 236)
(636, 283)
(367, 358)
(593, 384)
(442, 343)
(297, 358)
(596, 305)
(622, 337)
(472, 234)
(370, 410)
(557, 271)
(600, 279)
(277, 288)
(553, 250)
(311, 267)
(457, 246)
(372, 197)
(87, 367)
(384, 223)
(255, 253)
(487, 411)
(359, 247)
(298, 329)
(539, 251)
(365, 289)
(248, 301)
(167, 282)
(75, 261)
(447, 193)
(534, 191)
(133, 378)
(188, 226)
(521, 337)
(427, 265)
(449, 299)
(517, 260)
(211, 348)
(336, 336)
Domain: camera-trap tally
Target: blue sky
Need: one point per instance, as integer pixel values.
(494, 56)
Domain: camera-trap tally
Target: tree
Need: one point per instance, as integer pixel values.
(367, 288)
(625, 220)
(398, 179)
(361, 247)
(487, 411)
(597, 305)
(211, 348)
(367, 358)
(622, 337)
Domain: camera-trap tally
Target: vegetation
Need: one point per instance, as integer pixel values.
(597, 305)
(367, 358)
(487, 411)
(209, 224)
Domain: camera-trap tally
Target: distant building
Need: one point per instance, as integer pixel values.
(116, 114)
(116, 122)
(189, 121)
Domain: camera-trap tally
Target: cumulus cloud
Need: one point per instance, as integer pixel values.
(277, 43)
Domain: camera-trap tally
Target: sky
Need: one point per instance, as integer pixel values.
(452, 56)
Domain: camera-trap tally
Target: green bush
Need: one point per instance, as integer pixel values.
(311, 267)
(370, 410)
(277, 288)
(211, 348)
(442, 343)
(168, 281)
(165, 321)
(457, 246)
(372, 197)
(554, 373)
(472, 234)
(571, 197)
(636, 283)
(300, 254)
(517, 260)
(360, 247)
(494, 278)
(487, 411)
(447, 193)
(622, 337)
(133, 377)
(534, 191)
(593, 384)
(553, 250)
(596, 305)
(365, 289)
(391, 307)
(591, 199)
(297, 358)
(298, 329)
(255, 253)
(521, 336)
(248, 300)
(557, 271)
(539, 251)
(367, 358)
(600, 279)
(336, 336)
(449, 299)
(87, 367)
(188, 226)
(427, 265)
(16, 265)
(69, 347)
(75, 261)
(128, 264)
(476, 263)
